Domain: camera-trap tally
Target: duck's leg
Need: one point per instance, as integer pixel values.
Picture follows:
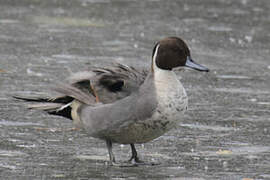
(134, 155)
(112, 158)
(109, 147)
(135, 159)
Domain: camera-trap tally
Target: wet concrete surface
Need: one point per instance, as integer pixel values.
(224, 135)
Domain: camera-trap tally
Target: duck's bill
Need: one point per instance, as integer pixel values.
(191, 64)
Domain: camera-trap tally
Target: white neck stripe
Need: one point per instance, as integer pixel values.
(155, 56)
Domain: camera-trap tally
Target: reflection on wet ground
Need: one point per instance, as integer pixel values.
(224, 135)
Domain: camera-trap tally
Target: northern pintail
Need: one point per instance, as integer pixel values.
(121, 104)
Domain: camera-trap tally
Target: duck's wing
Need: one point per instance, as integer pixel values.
(109, 84)
(103, 85)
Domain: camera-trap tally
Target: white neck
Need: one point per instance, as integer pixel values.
(164, 79)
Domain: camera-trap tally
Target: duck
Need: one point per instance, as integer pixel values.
(122, 104)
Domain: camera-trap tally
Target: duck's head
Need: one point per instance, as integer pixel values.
(173, 52)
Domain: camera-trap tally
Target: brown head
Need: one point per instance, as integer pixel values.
(173, 52)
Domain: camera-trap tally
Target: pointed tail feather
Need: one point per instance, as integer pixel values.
(57, 106)
(32, 99)
(46, 106)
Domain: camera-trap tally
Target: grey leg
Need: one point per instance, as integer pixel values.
(109, 147)
(134, 154)
(135, 159)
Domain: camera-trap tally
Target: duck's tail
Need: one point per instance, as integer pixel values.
(61, 105)
(56, 106)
